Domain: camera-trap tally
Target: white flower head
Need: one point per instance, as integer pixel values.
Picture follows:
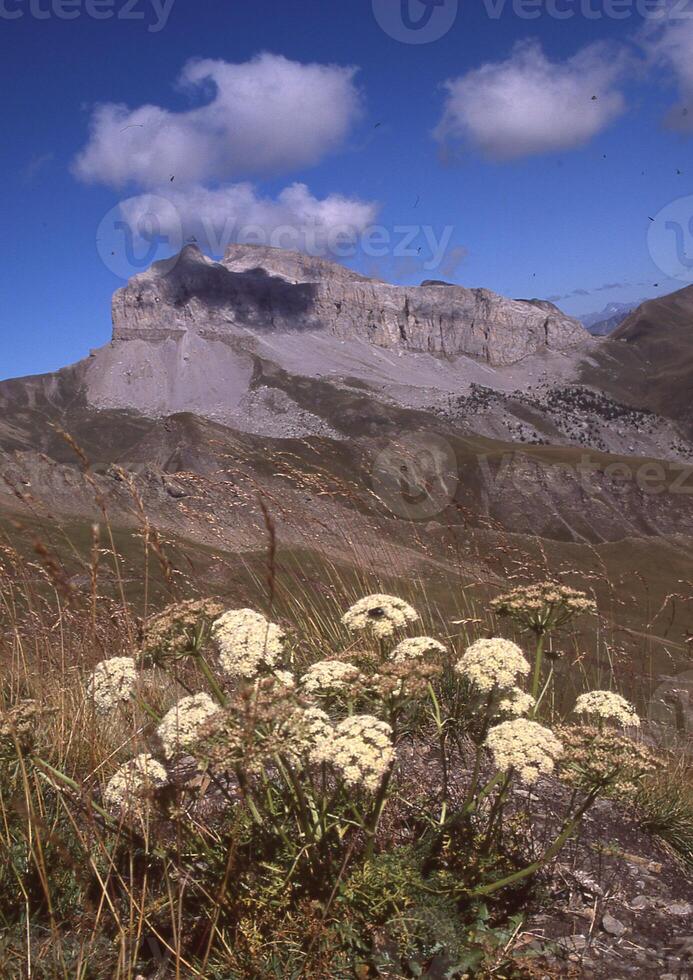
(516, 703)
(284, 678)
(525, 746)
(607, 704)
(130, 785)
(112, 683)
(360, 748)
(179, 728)
(416, 647)
(330, 677)
(309, 730)
(382, 615)
(248, 643)
(494, 663)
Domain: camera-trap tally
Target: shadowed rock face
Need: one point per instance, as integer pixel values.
(264, 289)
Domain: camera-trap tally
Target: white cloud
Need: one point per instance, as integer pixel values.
(295, 219)
(266, 115)
(529, 105)
(670, 45)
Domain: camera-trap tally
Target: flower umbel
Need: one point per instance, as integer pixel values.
(330, 677)
(248, 643)
(112, 683)
(604, 757)
(543, 607)
(607, 704)
(415, 647)
(494, 663)
(133, 782)
(525, 746)
(381, 615)
(516, 703)
(360, 748)
(179, 630)
(180, 727)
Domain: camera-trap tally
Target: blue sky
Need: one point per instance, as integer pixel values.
(533, 187)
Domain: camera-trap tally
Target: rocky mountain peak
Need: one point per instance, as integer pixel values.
(259, 289)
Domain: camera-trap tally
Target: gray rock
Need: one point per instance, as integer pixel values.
(572, 942)
(641, 902)
(612, 925)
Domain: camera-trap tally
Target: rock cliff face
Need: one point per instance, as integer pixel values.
(272, 290)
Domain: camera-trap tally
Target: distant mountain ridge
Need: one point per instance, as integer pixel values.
(604, 322)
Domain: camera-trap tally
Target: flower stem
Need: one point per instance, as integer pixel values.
(212, 681)
(538, 662)
(568, 827)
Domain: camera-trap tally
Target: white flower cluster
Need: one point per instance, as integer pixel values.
(131, 783)
(112, 683)
(360, 748)
(516, 703)
(525, 746)
(310, 729)
(248, 643)
(329, 676)
(180, 726)
(284, 678)
(416, 647)
(380, 614)
(494, 663)
(607, 704)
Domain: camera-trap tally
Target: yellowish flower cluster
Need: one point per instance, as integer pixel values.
(20, 723)
(180, 727)
(178, 630)
(494, 663)
(133, 782)
(603, 756)
(112, 683)
(516, 703)
(262, 720)
(330, 676)
(607, 704)
(248, 643)
(360, 748)
(381, 615)
(542, 606)
(407, 678)
(525, 746)
(416, 647)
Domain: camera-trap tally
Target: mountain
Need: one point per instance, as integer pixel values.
(604, 322)
(187, 335)
(648, 360)
(402, 430)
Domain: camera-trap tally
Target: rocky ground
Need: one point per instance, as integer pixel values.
(616, 903)
(620, 905)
